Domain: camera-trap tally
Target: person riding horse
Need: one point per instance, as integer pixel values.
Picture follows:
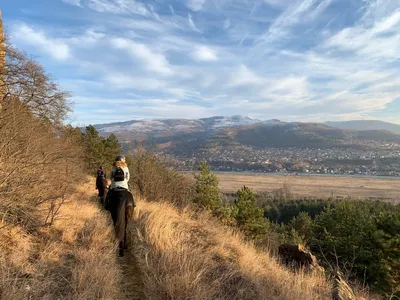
(120, 201)
(101, 183)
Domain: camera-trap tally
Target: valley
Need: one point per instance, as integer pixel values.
(242, 144)
(315, 186)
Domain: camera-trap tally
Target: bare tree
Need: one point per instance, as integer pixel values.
(25, 79)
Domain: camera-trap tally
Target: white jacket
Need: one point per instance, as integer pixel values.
(123, 184)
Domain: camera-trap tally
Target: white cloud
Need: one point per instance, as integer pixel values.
(242, 76)
(151, 60)
(191, 23)
(172, 10)
(126, 81)
(56, 48)
(196, 5)
(227, 24)
(299, 12)
(204, 53)
(112, 6)
(73, 2)
(89, 38)
(379, 41)
(290, 90)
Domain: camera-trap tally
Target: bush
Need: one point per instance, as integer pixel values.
(153, 181)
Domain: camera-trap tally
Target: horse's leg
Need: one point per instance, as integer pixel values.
(121, 249)
(125, 239)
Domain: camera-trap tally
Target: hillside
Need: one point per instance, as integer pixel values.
(189, 256)
(310, 135)
(183, 136)
(72, 259)
(366, 125)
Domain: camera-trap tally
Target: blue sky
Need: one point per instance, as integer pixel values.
(303, 60)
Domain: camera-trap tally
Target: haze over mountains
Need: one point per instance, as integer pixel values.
(366, 125)
(185, 134)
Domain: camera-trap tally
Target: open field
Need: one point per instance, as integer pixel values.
(315, 186)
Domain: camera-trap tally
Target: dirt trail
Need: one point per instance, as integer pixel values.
(132, 286)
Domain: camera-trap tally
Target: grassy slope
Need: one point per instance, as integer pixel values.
(73, 259)
(191, 257)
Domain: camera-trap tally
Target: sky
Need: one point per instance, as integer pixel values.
(293, 60)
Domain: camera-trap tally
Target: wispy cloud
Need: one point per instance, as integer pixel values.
(191, 23)
(151, 60)
(172, 10)
(54, 47)
(73, 2)
(381, 40)
(299, 12)
(112, 6)
(196, 5)
(310, 60)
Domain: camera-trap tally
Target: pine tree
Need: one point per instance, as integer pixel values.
(112, 148)
(250, 218)
(206, 188)
(94, 145)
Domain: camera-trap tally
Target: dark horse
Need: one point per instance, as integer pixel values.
(121, 205)
(101, 185)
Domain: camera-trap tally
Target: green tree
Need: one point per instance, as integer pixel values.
(249, 217)
(362, 238)
(94, 148)
(302, 225)
(112, 148)
(206, 188)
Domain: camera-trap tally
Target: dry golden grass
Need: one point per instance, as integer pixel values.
(315, 186)
(73, 259)
(189, 256)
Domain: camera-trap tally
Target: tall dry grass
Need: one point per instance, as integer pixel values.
(188, 256)
(75, 258)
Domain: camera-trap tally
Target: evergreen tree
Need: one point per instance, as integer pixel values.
(302, 226)
(364, 237)
(250, 218)
(112, 148)
(95, 148)
(206, 188)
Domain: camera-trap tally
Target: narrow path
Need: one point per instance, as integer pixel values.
(132, 282)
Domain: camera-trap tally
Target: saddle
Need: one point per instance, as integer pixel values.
(131, 201)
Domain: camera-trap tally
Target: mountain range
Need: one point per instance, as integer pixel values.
(182, 135)
(366, 125)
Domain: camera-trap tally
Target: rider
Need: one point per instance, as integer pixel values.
(119, 177)
(100, 173)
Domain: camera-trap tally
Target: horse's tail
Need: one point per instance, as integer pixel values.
(120, 225)
(130, 208)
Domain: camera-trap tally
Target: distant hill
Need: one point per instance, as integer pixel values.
(307, 135)
(366, 125)
(168, 126)
(182, 136)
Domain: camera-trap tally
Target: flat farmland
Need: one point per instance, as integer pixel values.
(315, 186)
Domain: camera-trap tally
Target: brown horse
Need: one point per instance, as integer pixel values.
(101, 186)
(121, 205)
